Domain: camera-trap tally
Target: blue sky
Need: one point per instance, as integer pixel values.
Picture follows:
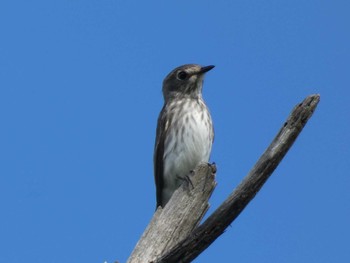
(80, 92)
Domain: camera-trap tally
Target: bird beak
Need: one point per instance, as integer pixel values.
(205, 69)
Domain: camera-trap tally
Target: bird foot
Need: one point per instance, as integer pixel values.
(188, 179)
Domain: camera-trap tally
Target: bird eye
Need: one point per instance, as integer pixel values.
(182, 75)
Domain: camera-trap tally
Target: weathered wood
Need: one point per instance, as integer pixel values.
(214, 226)
(179, 217)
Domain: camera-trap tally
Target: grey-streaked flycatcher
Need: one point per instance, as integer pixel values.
(185, 131)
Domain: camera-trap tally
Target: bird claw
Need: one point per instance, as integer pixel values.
(188, 179)
(213, 167)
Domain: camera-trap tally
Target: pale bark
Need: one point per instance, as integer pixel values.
(173, 235)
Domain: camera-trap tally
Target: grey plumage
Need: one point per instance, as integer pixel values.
(184, 133)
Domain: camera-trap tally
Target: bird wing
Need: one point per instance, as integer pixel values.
(159, 154)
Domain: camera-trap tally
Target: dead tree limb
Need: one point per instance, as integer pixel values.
(197, 240)
(222, 217)
(179, 217)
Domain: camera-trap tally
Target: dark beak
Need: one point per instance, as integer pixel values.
(206, 69)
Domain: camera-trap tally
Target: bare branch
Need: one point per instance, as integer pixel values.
(214, 226)
(179, 217)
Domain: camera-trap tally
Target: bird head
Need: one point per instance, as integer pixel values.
(185, 81)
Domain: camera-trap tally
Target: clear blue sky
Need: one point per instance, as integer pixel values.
(80, 92)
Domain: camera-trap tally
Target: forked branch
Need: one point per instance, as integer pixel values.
(197, 240)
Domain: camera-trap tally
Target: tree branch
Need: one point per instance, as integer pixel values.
(214, 226)
(173, 235)
(179, 217)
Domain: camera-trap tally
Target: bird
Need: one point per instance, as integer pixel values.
(185, 132)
